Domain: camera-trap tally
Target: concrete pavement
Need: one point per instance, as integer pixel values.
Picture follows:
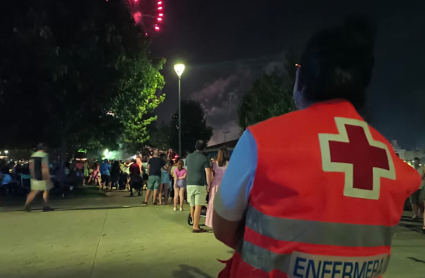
(152, 241)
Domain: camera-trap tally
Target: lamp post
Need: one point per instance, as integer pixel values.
(225, 133)
(179, 68)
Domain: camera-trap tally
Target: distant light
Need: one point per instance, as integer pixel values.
(107, 151)
(6, 151)
(161, 15)
(146, 34)
(156, 28)
(179, 68)
(159, 19)
(298, 65)
(159, 8)
(160, 2)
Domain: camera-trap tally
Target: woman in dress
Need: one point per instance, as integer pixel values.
(219, 167)
(179, 184)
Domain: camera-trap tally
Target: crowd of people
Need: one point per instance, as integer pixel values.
(194, 180)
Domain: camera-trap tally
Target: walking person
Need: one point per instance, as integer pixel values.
(39, 169)
(115, 174)
(219, 168)
(198, 177)
(154, 170)
(105, 173)
(416, 198)
(86, 172)
(341, 215)
(180, 174)
(165, 180)
(126, 171)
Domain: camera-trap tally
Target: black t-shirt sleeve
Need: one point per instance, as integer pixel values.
(162, 163)
(207, 164)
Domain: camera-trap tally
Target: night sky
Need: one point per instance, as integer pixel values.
(226, 44)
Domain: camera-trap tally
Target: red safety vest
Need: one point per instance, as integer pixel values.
(328, 193)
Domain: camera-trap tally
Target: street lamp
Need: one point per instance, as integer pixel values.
(179, 68)
(225, 133)
(6, 151)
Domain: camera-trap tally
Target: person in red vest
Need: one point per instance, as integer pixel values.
(316, 192)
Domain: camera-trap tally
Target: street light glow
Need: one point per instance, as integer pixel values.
(6, 151)
(179, 68)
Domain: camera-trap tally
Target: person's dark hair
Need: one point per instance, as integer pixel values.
(133, 160)
(222, 156)
(180, 164)
(200, 145)
(163, 156)
(116, 166)
(337, 62)
(26, 170)
(417, 159)
(5, 170)
(41, 146)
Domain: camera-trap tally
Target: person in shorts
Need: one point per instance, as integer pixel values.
(165, 180)
(105, 173)
(154, 170)
(198, 176)
(179, 184)
(40, 177)
(416, 198)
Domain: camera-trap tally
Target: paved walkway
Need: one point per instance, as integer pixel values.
(152, 241)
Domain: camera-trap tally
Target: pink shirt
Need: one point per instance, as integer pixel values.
(180, 173)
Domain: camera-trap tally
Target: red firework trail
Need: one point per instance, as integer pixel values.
(147, 13)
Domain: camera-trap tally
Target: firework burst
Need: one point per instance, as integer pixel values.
(147, 13)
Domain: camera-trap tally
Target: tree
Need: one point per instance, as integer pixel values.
(76, 74)
(194, 127)
(159, 136)
(270, 95)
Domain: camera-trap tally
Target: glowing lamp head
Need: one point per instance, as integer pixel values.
(157, 28)
(159, 8)
(160, 14)
(179, 68)
(160, 2)
(159, 19)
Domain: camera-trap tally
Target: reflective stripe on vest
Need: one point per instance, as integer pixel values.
(308, 266)
(317, 232)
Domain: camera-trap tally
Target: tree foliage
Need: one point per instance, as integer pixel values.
(194, 127)
(159, 136)
(269, 96)
(75, 72)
